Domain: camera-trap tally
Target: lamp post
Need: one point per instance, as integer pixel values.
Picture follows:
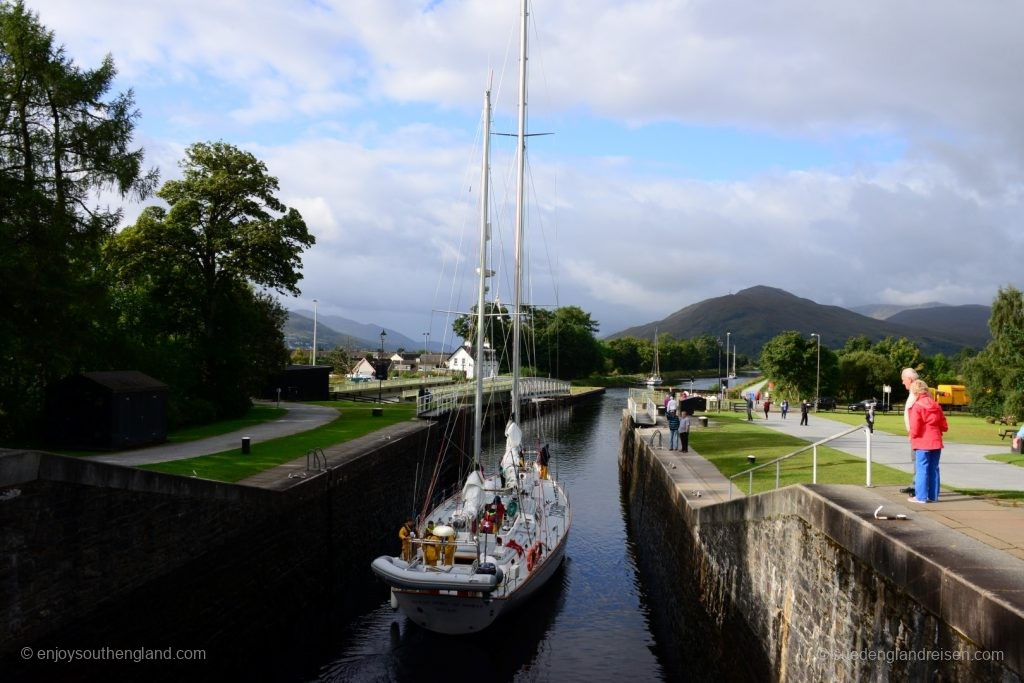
(380, 365)
(312, 360)
(727, 335)
(817, 374)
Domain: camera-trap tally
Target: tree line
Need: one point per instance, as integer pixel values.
(183, 294)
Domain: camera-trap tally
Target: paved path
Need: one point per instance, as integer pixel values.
(961, 465)
(300, 417)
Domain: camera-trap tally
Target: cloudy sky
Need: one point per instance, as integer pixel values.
(850, 152)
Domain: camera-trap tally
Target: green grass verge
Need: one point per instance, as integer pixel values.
(1010, 458)
(355, 421)
(963, 428)
(729, 438)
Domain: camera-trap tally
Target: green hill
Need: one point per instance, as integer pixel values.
(755, 315)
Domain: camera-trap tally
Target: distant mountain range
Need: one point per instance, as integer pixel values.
(886, 311)
(755, 315)
(334, 330)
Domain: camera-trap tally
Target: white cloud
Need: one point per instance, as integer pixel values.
(359, 107)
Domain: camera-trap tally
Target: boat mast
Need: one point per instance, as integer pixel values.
(485, 232)
(520, 191)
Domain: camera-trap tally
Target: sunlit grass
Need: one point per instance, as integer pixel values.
(730, 438)
(963, 427)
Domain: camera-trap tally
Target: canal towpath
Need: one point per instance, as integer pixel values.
(300, 417)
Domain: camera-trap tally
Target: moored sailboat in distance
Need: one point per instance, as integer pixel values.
(486, 549)
(654, 379)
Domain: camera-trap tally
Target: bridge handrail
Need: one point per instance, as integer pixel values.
(813, 447)
(643, 397)
(450, 397)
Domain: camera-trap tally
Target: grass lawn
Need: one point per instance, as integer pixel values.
(963, 428)
(728, 440)
(355, 421)
(1011, 458)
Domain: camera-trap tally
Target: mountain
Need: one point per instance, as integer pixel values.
(886, 311)
(334, 330)
(970, 320)
(755, 315)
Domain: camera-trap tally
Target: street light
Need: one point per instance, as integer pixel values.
(817, 374)
(313, 357)
(380, 365)
(727, 335)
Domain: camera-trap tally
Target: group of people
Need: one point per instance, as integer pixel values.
(678, 425)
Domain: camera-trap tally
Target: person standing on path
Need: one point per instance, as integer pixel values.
(767, 407)
(927, 423)
(673, 429)
(684, 433)
(804, 407)
(750, 408)
(908, 376)
(784, 408)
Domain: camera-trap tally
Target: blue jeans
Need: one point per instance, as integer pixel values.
(673, 438)
(926, 474)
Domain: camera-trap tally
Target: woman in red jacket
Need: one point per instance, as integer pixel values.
(927, 423)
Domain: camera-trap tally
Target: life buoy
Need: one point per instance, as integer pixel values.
(533, 556)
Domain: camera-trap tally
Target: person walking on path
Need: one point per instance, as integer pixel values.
(908, 376)
(927, 423)
(673, 429)
(784, 408)
(750, 408)
(804, 408)
(684, 433)
(767, 407)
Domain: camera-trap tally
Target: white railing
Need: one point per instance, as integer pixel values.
(813, 447)
(643, 407)
(451, 397)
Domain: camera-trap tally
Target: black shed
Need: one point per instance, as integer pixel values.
(107, 410)
(301, 383)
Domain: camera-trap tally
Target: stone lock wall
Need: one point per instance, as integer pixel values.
(793, 586)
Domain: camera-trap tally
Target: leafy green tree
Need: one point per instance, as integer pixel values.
(995, 377)
(862, 374)
(790, 360)
(565, 342)
(61, 141)
(625, 354)
(199, 263)
(858, 343)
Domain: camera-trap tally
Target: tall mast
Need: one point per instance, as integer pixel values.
(517, 298)
(485, 233)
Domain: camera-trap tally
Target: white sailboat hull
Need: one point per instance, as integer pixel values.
(463, 614)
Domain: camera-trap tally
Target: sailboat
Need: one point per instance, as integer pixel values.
(488, 548)
(655, 377)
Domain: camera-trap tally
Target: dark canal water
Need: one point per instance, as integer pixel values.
(591, 622)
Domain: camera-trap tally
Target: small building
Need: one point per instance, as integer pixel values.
(106, 410)
(301, 383)
(463, 360)
(366, 369)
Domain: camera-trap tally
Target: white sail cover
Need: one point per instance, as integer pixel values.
(513, 447)
(472, 495)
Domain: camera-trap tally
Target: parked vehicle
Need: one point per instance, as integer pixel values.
(951, 396)
(826, 403)
(861, 406)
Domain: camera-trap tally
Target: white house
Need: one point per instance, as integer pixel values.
(464, 361)
(362, 370)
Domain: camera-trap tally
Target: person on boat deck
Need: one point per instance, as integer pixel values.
(406, 534)
(499, 508)
(543, 459)
(430, 548)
